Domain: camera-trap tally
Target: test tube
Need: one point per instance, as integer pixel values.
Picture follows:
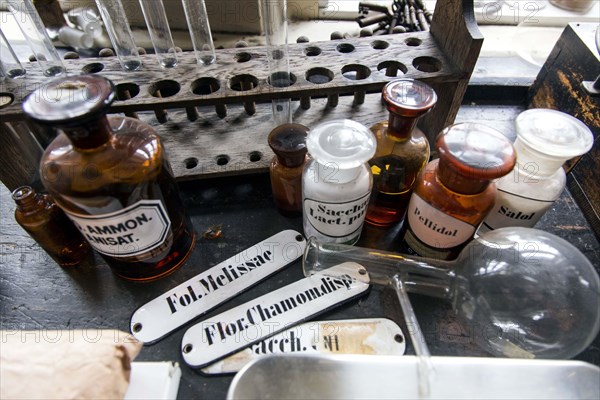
(9, 62)
(274, 13)
(199, 27)
(75, 38)
(87, 19)
(160, 33)
(117, 27)
(36, 36)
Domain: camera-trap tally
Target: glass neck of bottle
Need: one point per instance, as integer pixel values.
(90, 134)
(27, 199)
(531, 160)
(459, 183)
(420, 275)
(399, 127)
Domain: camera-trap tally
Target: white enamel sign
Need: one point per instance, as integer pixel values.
(374, 336)
(235, 329)
(198, 295)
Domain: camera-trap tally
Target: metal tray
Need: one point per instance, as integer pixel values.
(385, 377)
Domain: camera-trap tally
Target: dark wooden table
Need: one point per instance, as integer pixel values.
(37, 294)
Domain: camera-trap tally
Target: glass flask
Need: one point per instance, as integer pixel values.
(111, 177)
(524, 293)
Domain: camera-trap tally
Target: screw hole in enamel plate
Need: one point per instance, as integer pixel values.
(137, 327)
(187, 348)
(299, 238)
(399, 338)
(362, 271)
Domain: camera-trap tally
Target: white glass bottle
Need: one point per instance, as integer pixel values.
(545, 140)
(337, 181)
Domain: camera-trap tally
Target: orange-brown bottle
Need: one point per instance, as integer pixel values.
(288, 142)
(48, 225)
(402, 150)
(455, 192)
(111, 177)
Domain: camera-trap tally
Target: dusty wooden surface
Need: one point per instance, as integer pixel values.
(36, 294)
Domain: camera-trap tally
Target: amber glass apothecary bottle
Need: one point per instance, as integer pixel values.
(402, 150)
(454, 193)
(288, 142)
(111, 177)
(48, 225)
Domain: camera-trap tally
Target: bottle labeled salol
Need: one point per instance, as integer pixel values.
(337, 181)
(454, 193)
(111, 176)
(545, 140)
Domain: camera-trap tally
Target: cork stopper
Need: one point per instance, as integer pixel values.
(471, 156)
(288, 142)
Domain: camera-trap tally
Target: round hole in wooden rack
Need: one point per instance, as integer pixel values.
(166, 88)
(312, 51)
(277, 54)
(427, 64)
(191, 163)
(319, 75)
(127, 90)
(242, 56)
(255, 156)
(413, 41)
(92, 68)
(222, 159)
(355, 72)
(392, 68)
(345, 47)
(205, 85)
(380, 44)
(6, 99)
(281, 79)
(243, 82)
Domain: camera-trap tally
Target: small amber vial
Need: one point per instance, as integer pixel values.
(454, 193)
(48, 225)
(288, 142)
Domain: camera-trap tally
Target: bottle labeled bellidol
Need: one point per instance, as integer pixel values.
(455, 192)
(48, 225)
(545, 140)
(111, 177)
(402, 150)
(337, 181)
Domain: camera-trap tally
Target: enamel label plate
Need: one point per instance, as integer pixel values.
(375, 336)
(235, 329)
(198, 295)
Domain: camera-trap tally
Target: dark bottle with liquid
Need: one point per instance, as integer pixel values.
(111, 177)
(402, 150)
(48, 225)
(454, 193)
(288, 142)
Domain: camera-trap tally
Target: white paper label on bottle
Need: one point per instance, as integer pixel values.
(205, 291)
(132, 231)
(435, 228)
(373, 336)
(514, 210)
(246, 324)
(337, 219)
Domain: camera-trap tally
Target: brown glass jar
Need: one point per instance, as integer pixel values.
(48, 225)
(111, 177)
(454, 193)
(402, 150)
(288, 142)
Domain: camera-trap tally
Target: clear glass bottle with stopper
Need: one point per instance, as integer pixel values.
(524, 293)
(402, 150)
(455, 192)
(337, 181)
(111, 177)
(546, 139)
